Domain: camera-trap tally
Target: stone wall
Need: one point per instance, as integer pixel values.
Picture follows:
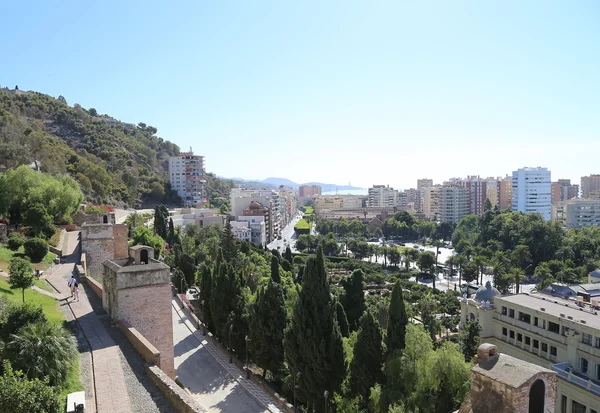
(97, 251)
(95, 285)
(149, 353)
(182, 401)
(121, 237)
(148, 309)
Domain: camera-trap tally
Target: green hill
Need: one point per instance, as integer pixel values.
(114, 162)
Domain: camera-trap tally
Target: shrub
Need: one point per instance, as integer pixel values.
(36, 249)
(13, 317)
(18, 394)
(15, 240)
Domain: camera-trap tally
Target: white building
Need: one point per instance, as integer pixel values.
(258, 234)
(531, 191)
(582, 212)
(203, 217)
(448, 203)
(186, 174)
(241, 230)
(382, 196)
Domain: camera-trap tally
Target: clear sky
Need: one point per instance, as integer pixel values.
(367, 92)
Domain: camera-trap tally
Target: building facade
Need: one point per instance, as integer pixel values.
(505, 194)
(186, 174)
(448, 203)
(552, 332)
(241, 230)
(305, 191)
(258, 233)
(382, 196)
(588, 184)
(531, 191)
(101, 241)
(582, 213)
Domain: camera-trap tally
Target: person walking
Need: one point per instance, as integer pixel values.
(76, 291)
(71, 284)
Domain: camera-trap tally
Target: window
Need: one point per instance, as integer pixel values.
(583, 365)
(504, 331)
(520, 337)
(544, 348)
(535, 321)
(586, 339)
(511, 313)
(527, 341)
(552, 350)
(553, 327)
(597, 342)
(512, 334)
(577, 407)
(526, 318)
(563, 404)
(536, 344)
(504, 309)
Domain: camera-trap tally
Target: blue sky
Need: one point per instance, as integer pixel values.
(378, 92)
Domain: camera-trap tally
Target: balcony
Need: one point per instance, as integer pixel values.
(566, 372)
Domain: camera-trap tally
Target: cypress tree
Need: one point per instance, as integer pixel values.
(397, 322)
(312, 340)
(171, 236)
(205, 290)
(342, 320)
(275, 276)
(267, 323)
(228, 243)
(353, 298)
(220, 301)
(288, 255)
(365, 369)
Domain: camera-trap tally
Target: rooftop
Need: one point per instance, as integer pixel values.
(508, 370)
(555, 306)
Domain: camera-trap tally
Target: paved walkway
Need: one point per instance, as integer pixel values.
(218, 385)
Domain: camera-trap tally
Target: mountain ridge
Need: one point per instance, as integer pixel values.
(276, 182)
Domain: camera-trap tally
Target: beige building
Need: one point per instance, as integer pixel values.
(581, 213)
(562, 334)
(325, 202)
(448, 203)
(308, 190)
(382, 196)
(505, 194)
(588, 184)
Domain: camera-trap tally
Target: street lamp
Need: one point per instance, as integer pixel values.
(247, 365)
(296, 377)
(203, 316)
(326, 395)
(230, 346)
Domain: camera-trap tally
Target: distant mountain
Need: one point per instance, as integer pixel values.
(276, 182)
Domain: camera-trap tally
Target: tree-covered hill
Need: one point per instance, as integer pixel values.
(114, 162)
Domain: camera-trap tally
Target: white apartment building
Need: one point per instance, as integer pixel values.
(258, 235)
(241, 230)
(562, 334)
(324, 202)
(186, 175)
(203, 217)
(531, 191)
(581, 213)
(382, 196)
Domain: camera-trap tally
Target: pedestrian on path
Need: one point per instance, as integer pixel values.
(71, 284)
(76, 291)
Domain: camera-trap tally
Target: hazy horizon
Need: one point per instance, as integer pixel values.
(337, 92)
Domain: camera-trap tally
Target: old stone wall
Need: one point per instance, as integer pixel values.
(120, 237)
(488, 395)
(97, 251)
(148, 309)
(521, 401)
(182, 401)
(149, 353)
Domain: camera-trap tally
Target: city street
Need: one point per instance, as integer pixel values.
(287, 236)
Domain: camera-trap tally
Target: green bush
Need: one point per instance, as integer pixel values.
(18, 394)
(36, 249)
(15, 240)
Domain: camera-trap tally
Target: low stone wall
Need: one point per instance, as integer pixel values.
(83, 262)
(182, 401)
(149, 353)
(55, 250)
(96, 286)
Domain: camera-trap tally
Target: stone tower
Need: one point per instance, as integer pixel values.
(137, 290)
(101, 241)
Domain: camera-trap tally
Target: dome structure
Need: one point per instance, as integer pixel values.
(595, 274)
(487, 293)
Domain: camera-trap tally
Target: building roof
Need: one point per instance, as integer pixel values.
(554, 306)
(508, 370)
(595, 273)
(487, 293)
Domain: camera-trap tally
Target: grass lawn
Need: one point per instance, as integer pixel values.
(302, 225)
(6, 255)
(308, 210)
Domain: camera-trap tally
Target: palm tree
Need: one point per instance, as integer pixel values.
(461, 261)
(451, 264)
(407, 258)
(517, 274)
(41, 350)
(544, 274)
(480, 261)
(437, 244)
(521, 256)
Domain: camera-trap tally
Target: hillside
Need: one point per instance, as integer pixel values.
(114, 162)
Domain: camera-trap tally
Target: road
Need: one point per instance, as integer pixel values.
(210, 380)
(287, 236)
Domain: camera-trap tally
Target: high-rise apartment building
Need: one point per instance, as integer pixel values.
(477, 192)
(382, 196)
(186, 175)
(582, 213)
(531, 191)
(588, 184)
(505, 194)
(309, 190)
(448, 203)
(562, 190)
(422, 185)
(555, 191)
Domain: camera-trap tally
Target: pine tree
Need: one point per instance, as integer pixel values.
(312, 340)
(342, 320)
(365, 369)
(205, 290)
(398, 320)
(353, 298)
(267, 323)
(275, 276)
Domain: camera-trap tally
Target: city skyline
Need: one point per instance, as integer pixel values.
(384, 93)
